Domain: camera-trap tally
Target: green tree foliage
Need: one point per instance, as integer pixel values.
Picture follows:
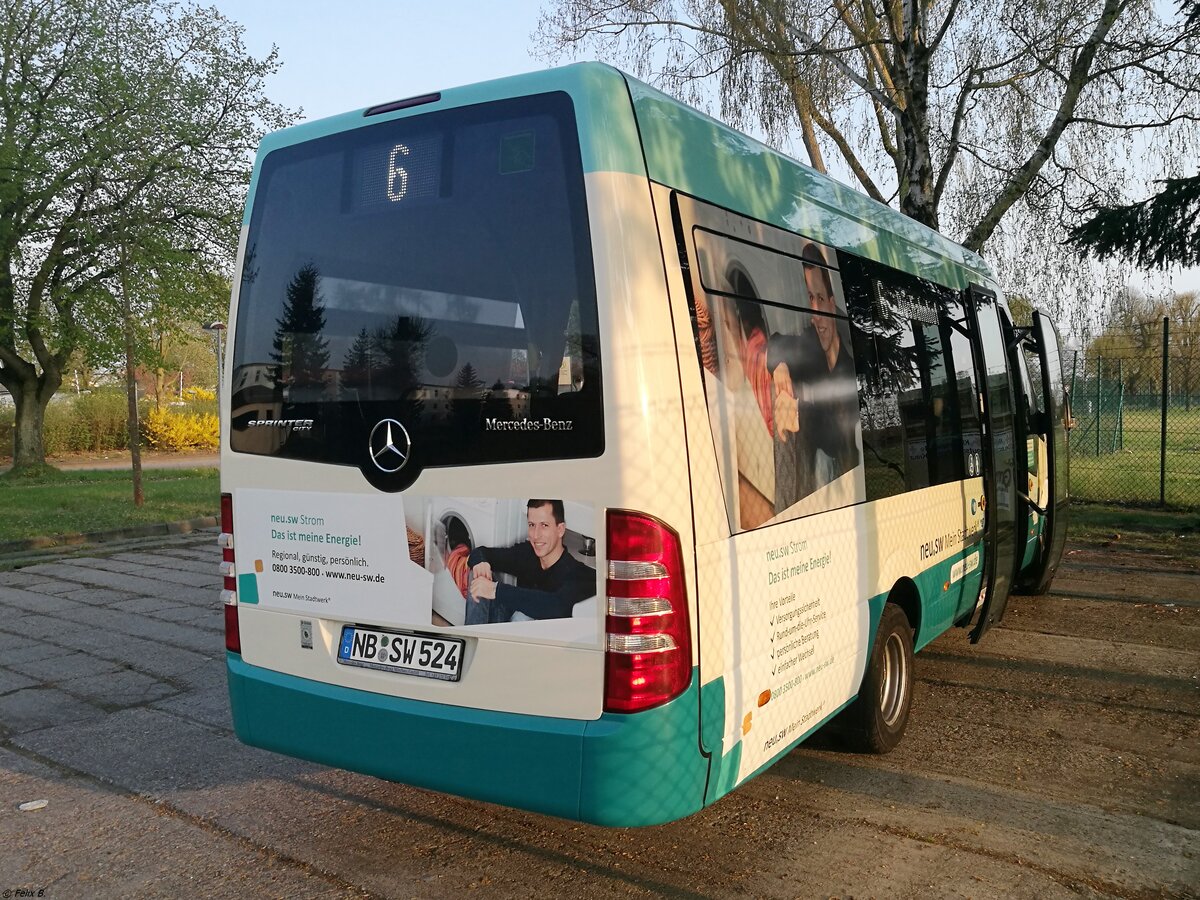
(184, 356)
(1161, 231)
(1132, 342)
(468, 379)
(1184, 310)
(171, 293)
(126, 127)
(400, 349)
(358, 362)
(399, 352)
(1021, 308)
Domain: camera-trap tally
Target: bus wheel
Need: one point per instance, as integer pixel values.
(875, 721)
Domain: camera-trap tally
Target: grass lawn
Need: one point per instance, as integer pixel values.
(56, 502)
(1127, 470)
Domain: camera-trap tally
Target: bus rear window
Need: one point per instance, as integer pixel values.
(435, 270)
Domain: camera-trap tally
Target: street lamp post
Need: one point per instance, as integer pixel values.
(215, 329)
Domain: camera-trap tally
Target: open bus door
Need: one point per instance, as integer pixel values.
(997, 403)
(1051, 426)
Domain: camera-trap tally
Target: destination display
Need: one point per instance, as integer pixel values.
(397, 172)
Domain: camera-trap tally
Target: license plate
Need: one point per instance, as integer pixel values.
(411, 654)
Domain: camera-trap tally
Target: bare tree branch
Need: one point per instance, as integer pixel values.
(1020, 180)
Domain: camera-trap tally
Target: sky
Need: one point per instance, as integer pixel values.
(338, 57)
(343, 56)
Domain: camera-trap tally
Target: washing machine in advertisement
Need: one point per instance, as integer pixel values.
(457, 525)
(451, 527)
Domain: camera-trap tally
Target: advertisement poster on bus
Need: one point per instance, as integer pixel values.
(522, 567)
(779, 375)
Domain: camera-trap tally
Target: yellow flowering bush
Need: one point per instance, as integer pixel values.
(198, 393)
(166, 429)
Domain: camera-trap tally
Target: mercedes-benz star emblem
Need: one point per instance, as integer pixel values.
(389, 446)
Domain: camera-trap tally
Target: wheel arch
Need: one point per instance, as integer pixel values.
(906, 595)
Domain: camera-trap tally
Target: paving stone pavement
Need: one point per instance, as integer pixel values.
(82, 638)
(112, 698)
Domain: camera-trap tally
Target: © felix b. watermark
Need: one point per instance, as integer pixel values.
(13, 893)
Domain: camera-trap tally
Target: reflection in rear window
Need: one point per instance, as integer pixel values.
(435, 269)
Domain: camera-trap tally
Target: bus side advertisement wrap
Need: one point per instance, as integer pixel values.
(839, 405)
(808, 598)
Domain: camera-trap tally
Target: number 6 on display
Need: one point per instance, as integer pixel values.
(397, 178)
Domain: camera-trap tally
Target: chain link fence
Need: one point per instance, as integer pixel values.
(1135, 395)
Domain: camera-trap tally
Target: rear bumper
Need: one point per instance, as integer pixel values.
(639, 769)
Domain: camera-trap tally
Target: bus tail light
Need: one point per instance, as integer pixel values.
(648, 659)
(233, 637)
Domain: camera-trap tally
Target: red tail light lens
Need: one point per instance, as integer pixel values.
(233, 637)
(649, 649)
(225, 540)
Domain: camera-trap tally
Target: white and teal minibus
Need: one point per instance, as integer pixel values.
(583, 455)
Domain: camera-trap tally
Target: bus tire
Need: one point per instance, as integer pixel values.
(876, 720)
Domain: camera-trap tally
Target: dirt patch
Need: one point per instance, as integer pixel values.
(120, 459)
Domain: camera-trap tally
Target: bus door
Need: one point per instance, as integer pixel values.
(1000, 527)
(1051, 427)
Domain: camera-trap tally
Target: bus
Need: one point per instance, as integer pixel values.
(583, 455)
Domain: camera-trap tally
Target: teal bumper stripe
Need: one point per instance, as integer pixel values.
(875, 612)
(942, 605)
(645, 768)
(639, 769)
(726, 774)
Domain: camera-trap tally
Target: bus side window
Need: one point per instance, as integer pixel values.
(878, 360)
(910, 378)
(966, 394)
(942, 433)
(883, 467)
(776, 353)
(1036, 421)
(1031, 375)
